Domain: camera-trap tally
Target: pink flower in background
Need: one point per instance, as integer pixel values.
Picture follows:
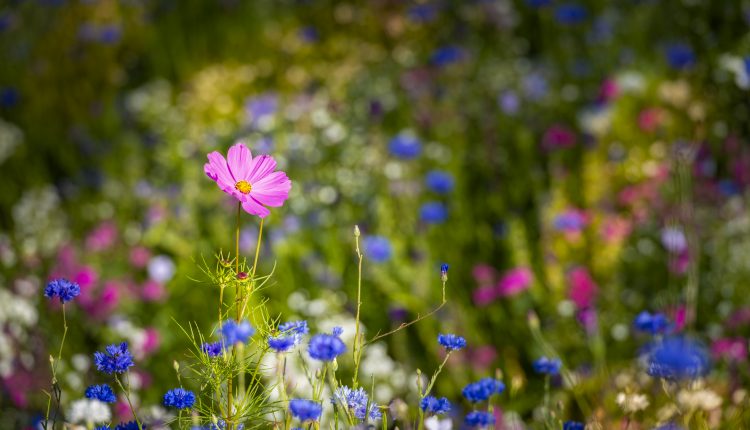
(151, 340)
(153, 291)
(680, 315)
(85, 276)
(649, 119)
(608, 90)
(482, 357)
(102, 237)
(252, 181)
(484, 274)
(680, 263)
(588, 319)
(484, 295)
(582, 288)
(615, 229)
(139, 257)
(514, 282)
(558, 137)
(730, 349)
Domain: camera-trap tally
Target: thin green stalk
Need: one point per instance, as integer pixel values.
(357, 348)
(127, 397)
(429, 388)
(53, 366)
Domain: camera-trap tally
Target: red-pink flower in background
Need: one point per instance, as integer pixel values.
(558, 137)
(514, 282)
(252, 181)
(730, 349)
(582, 288)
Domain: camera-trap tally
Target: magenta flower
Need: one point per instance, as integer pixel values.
(252, 181)
(514, 282)
(582, 288)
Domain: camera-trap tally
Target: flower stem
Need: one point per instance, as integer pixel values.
(357, 348)
(127, 397)
(53, 366)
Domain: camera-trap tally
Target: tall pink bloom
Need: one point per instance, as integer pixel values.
(250, 180)
(582, 287)
(514, 282)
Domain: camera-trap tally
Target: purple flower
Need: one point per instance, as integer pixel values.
(326, 347)
(547, 366)
(62, 289)
(451, 342)
(212, 349)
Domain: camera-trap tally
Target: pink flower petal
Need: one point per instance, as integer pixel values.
(272, 190)
(260, 167)
(239, 160)
(219, 167)
(252, 207)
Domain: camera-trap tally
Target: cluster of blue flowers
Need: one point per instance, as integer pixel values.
(433, 213)
(439, 182)
(115, 359)
(547, 366)
(482, 390)
(677, 358)
(573, 425)
(451, 342)
(479, 419)
(357, 402)
(326, 347)
(405, 146)
(434, 405)
(653, 324)
(63, 289)
(305, 410)
(290, 336)
(179, 398)
(101, 392)
(236, 332)
(212, 349)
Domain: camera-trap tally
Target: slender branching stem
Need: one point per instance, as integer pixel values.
(127, 397)
(357, 348)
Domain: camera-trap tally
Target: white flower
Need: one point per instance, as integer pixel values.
(700, 399)
(434, 423)
(89, 411)
(161, 268)
(631, 403)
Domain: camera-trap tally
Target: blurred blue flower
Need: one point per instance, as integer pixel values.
(261, 107)
(9, 97)
(114, 359)
(570, 14)
(535, 86)
(377, 248)
(423, 12)
(281, 343)
(179, 398)
(356, 401)
(309, 34)
(326, 347)
(547, 366)
(509, 102)
(538, 3)
(433, 213)
(433, 405)
(479, 419)
(130, 425)
(439, 181)
(405, 146)
(451, 342)
(573, 425)
(677, 358)
(447, 55)
(482, 390)
(305, 410)
(101, 392)
(680, 56)
(234, 332)
(653, 324)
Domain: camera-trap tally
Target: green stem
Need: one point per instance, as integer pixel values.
(127, 397)
(357, 348)
(53, 366)
(429, 388)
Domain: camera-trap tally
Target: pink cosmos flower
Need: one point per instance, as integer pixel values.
(730, 349)
(252, 181)
(514, 281)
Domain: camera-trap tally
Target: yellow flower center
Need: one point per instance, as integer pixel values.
(243, 186)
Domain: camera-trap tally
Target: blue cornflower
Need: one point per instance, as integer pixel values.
(479, 419)
(669, 426)
(482, 390)
(326, 347)
(294, 329)
(221, 425)
(570, 14)
(103, 427)
(447, 55)
(538, 3)
(433, 213)
(434, 405)
(115, 359)
(305, 410)
(677, 357)
(357, 402)
(680, 56)
(405, 146)
(282, 343)
(261, 107)
(573, 425)
(234, 332)
(130, 425)
(420, 13)
(444, 270)
(509, 102)
(547, 366)
(651, 323)
(451, 342)
(63, 289)
(179, 398)
(439, 182)
(378, 248)
(212, 349)
(101, 392)
(9, 96)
